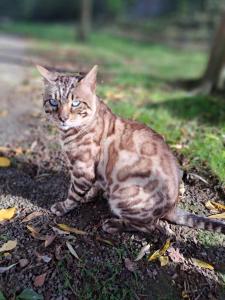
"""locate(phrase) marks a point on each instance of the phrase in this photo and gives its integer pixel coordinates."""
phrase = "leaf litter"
(7, 214)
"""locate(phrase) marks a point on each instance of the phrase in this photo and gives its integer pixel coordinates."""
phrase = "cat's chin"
(65, 127)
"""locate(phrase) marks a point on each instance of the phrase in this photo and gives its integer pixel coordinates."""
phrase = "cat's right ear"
(48, 75)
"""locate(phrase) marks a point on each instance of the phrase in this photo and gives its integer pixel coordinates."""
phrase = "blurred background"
(160, 62)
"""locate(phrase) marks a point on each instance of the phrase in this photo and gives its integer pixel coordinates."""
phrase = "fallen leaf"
(164, 260)
(40, 280)
(71, 229)
(32, 216)
(4, 269)
(201, 264)
(218, 216)
(211, 207)
(7, 214)
(130, 265)
(215, 205)
(160, 252)
(72, 251)
(18, 150)
(29, 294)
(98, 238)
(8, 246)
(49, 239)
(143, 251)
(4, 162)
(35, 233)
(23, 262)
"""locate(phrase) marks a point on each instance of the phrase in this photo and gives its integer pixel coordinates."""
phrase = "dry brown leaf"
(4, 162)
(49, 239)
(130, 265)
(72, 251)
(4, 269)
(202, 264)
(8, 246)
(7, 214)
(40, 280)
(23, 262)
(35, 233)
(32, 216)
(143, 251)
(71, 229)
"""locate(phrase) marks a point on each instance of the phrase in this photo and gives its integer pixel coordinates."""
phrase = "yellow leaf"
(163, 260)
(7, 214)
(165, 247)
(10, 245)
(154, 256)
(218, 216)
(209, 205)
(160, 252)
(218, 206)
(4, 162)
(71, 229)
(201, 264)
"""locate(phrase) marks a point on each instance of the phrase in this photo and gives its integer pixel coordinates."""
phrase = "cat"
(127, 160)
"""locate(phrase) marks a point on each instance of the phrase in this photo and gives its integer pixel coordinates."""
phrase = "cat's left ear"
(91, 78)
(48, 75)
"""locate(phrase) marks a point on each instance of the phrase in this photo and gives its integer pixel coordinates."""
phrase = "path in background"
(14, 107)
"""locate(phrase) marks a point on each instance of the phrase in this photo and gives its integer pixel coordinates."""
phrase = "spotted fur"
(126, 160)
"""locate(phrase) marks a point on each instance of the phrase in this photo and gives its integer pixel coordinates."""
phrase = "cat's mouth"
(65, 126)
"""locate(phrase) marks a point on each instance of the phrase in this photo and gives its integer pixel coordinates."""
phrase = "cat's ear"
(48, 75)
(90, 78)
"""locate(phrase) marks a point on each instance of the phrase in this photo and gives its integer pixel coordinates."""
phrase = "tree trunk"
(85, 19)
(214, 75)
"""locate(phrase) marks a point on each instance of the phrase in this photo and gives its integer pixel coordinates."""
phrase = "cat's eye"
(53, 102)
(75, 103)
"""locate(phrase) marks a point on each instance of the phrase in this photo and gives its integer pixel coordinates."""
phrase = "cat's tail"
(182, 217)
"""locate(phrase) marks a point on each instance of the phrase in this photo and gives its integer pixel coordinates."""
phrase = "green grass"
(134, 81)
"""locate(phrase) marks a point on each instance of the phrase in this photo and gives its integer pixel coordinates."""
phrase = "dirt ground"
(106, 268)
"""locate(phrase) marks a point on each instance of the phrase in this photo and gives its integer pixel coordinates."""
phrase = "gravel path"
(14, 74)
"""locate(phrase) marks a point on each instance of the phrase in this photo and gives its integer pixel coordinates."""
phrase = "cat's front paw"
(58, 209)
(111, 226)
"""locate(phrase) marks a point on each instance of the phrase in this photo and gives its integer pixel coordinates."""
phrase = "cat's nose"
(63, 118)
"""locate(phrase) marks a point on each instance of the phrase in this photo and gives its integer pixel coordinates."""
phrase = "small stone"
(23, 262)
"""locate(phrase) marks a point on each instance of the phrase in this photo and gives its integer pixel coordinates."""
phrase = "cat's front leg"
(77, 194)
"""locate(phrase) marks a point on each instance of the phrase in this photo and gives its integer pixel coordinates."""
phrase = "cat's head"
(69, 101)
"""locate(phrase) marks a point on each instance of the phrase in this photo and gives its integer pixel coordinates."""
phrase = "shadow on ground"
(101, 270)
(206, 110)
